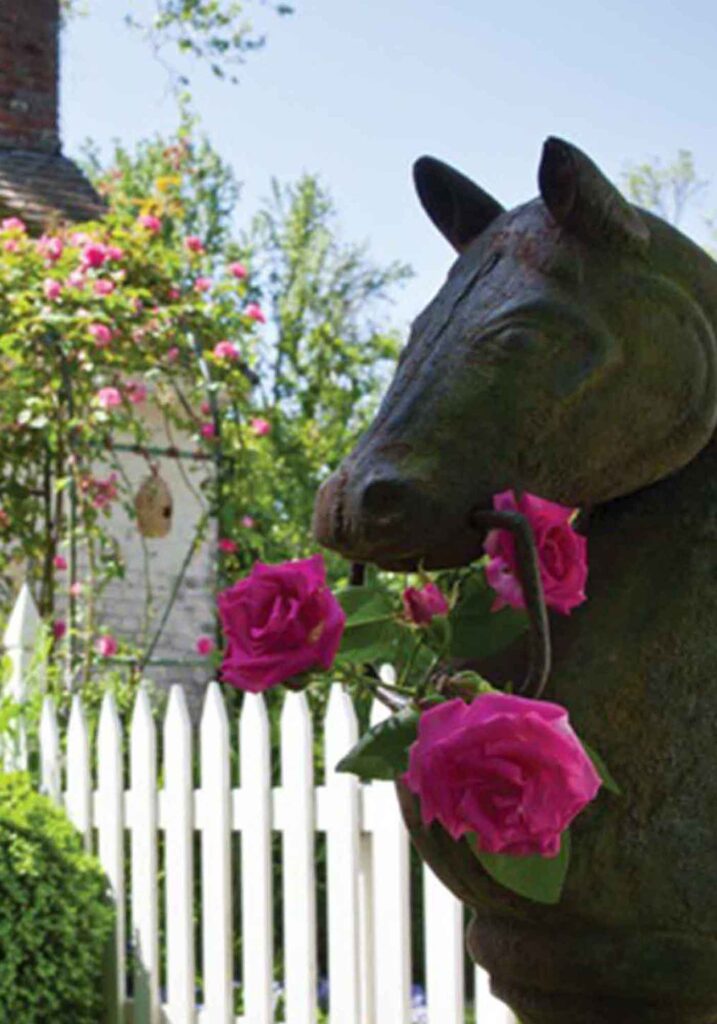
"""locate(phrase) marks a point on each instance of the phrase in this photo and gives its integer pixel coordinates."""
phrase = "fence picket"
(143, 820)
(489, 1010)
(110, 838)
(78, 799)
(297, 780)
(178, 848)
(443, 928)
(217, 954)
(392, 933)
(19, 640)
(50, 755)
(342, 861)
(257, 920)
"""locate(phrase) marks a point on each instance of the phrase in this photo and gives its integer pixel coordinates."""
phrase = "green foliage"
(55, 915)
(382, 752)
(664, 189)
(537, 878)
(216, 33)
(476, 632)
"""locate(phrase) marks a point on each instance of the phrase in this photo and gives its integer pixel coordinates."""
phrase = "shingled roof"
(37, 183)
(44, 188)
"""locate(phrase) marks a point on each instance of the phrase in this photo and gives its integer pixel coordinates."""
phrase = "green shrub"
(55, 914)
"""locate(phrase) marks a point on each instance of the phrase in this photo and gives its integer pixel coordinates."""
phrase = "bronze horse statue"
(572, 353)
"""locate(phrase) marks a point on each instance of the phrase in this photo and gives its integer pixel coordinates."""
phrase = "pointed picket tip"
(253, 713)
(214, 711)
(340, 720)
(177, 710)
(78, 720)
(109, 716)
(48, 717)
(142, 719)
(379, 711)
(295, 712)
(24, 622)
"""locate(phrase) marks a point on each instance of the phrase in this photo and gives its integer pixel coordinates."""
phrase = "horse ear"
(584, 202)
(459, 209)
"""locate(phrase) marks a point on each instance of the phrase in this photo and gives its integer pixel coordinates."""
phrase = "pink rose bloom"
(59, 628)
(113, 252)
(227, 545)
(80, 238)
(280, 621)
(193, 243)
(204, 645)
(203, 284)
(420, 605)
(509, 769)
(248, 523)
(60, 562)
(108, 398)
(51, 247)
(207, 430)
(259, 426)
(237, 270)
(172, 354)
(107, 645)
(226, 350)
(562, 555)
(103, 286)
(76, 589)
(76, 279)
(102, 491)
(135, 391)
(51, 288)
(205, 408)
(93, 254)
(255, 312)
(149, 222)
(13, 224)
(173, 294)
(101, 334)
(11, 245)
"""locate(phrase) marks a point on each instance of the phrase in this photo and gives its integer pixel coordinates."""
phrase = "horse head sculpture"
(572, 353)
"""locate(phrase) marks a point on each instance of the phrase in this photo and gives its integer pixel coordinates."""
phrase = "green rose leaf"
(537, 878)
(372, 631)
(602, 769)
(382, 752)
(476, 631)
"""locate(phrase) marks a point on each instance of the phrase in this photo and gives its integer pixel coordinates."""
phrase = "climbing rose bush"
(506, 772)
(507, 769)
(561, 551)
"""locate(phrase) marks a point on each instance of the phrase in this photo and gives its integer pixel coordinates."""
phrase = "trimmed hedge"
(56, 917)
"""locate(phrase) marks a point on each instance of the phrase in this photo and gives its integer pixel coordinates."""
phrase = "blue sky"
(357, 90)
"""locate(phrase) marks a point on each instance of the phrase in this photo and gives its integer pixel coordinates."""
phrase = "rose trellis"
(504, 770)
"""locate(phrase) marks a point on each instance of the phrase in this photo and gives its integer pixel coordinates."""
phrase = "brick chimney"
(37, 182)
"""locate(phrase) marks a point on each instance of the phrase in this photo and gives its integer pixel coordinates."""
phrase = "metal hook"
(540, 656)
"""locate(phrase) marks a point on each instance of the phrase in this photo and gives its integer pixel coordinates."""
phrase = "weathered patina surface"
(572, 353)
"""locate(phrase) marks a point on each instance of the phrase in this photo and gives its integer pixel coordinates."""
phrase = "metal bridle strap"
(529, 574)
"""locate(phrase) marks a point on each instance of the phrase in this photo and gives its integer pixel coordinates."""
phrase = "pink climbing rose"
(51, 288)
(107, 645)
(135, 391)
(108, 398)
(149, 222)
(279, 622)
(420, 605)
(259, 426)
(203, 284)
(207, 430)
(101, 333)
(227, 545)
(13, 224)
(255, 312)
(93, 254)
(248, 522)
(508, 769)
(562, 554)
(193, 243)
(103, 286)
(59, 562)
(59, 628)
(237, 270)
(204, 645)
(226, 350)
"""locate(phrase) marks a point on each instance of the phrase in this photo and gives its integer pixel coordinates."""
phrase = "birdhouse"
(153, 504)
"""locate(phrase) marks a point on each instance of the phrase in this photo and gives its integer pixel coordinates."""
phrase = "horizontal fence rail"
(193, 833)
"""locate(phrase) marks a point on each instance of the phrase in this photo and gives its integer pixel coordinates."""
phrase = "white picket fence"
(367, 867)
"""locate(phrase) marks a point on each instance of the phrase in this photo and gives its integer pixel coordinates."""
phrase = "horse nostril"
(384, 499)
